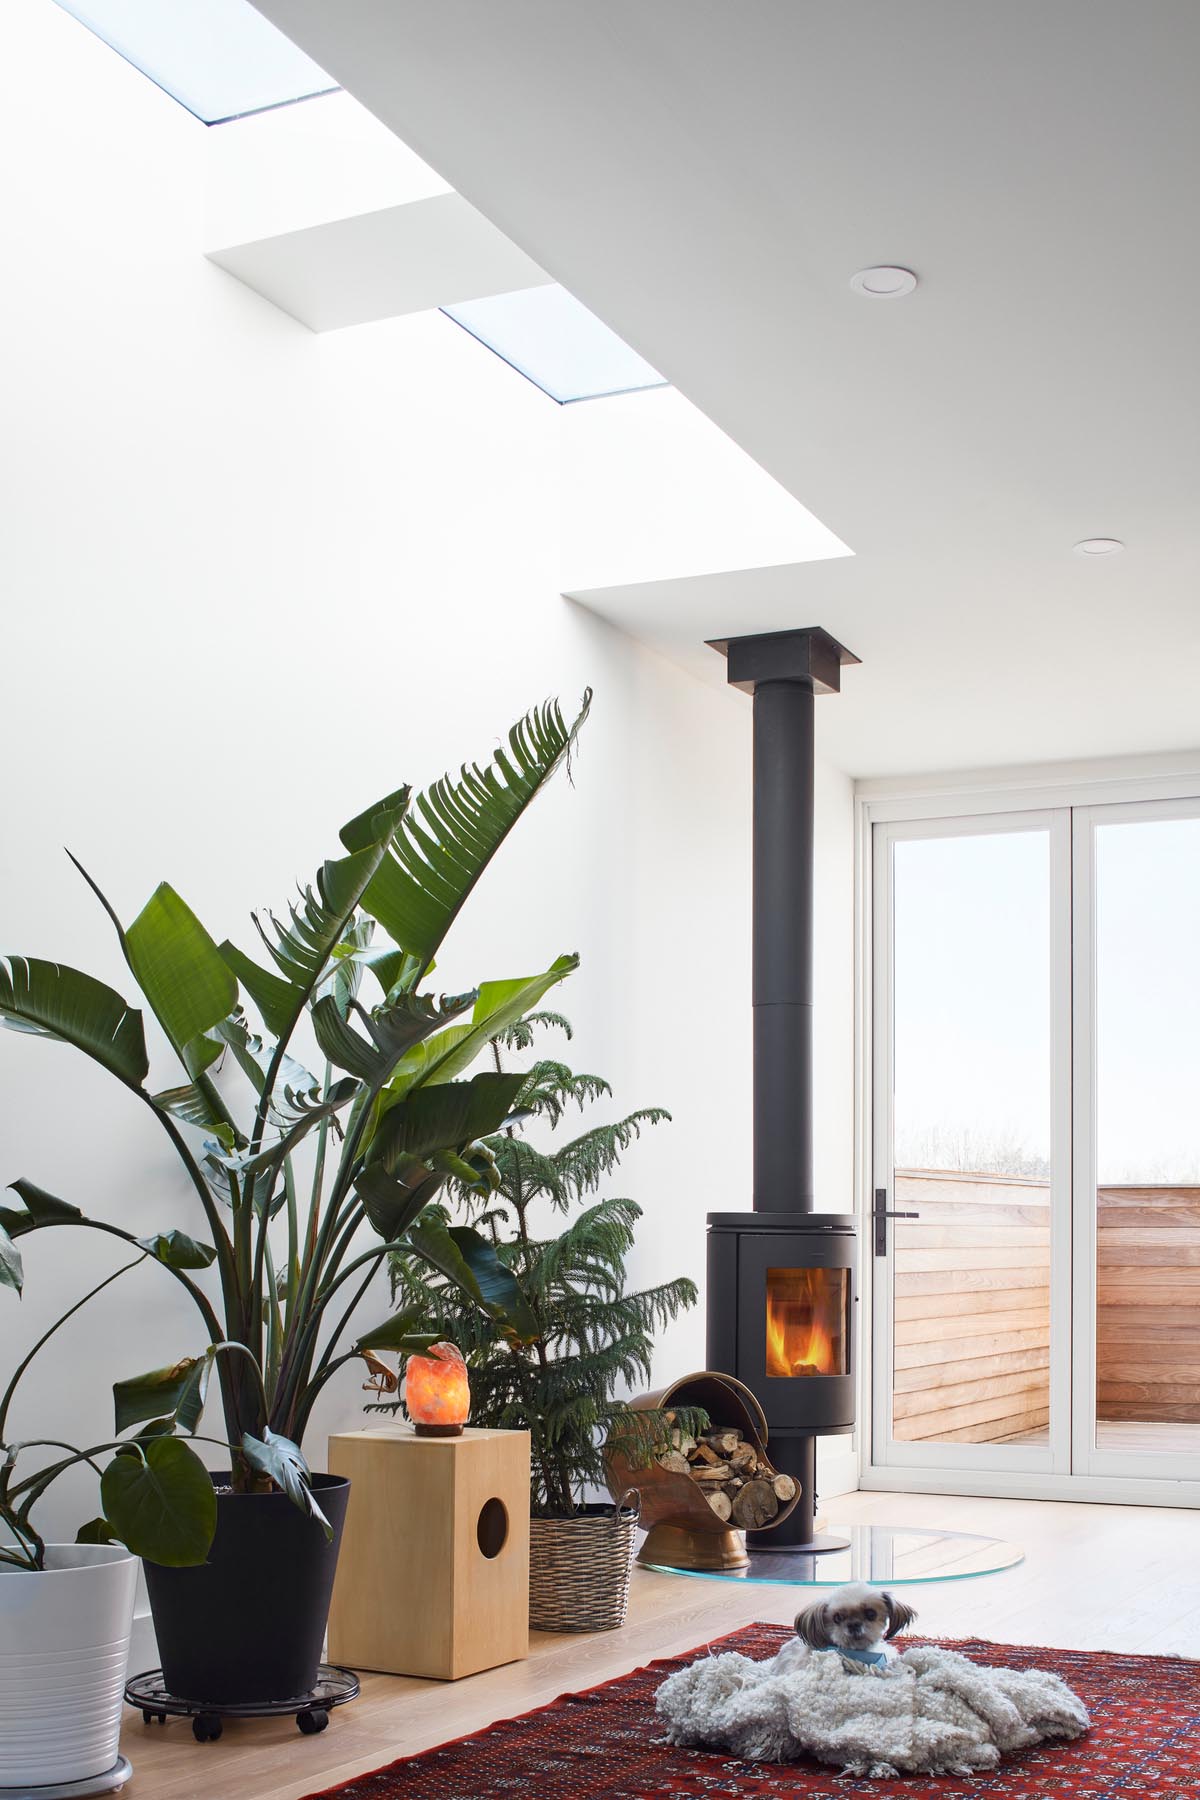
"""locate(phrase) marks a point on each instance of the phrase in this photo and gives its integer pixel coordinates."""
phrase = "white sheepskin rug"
(931, 1712)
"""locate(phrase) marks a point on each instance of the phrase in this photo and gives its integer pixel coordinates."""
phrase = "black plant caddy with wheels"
(244, 1631)
(334, 1686)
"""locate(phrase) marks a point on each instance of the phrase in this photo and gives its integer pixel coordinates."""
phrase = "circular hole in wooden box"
(492, 1529)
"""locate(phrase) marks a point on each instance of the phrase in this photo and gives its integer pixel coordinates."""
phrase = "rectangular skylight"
(219, 58)
(547, 336)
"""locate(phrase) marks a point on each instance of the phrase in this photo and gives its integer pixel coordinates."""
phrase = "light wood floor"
(1095, 1577)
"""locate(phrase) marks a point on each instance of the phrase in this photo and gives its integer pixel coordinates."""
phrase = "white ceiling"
(707, 177)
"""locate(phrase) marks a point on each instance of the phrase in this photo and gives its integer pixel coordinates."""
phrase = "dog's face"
(852, 1618)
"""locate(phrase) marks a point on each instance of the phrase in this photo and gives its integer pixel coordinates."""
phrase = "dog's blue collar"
(874, 1658)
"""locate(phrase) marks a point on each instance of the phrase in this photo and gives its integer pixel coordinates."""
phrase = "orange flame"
(799, 1342)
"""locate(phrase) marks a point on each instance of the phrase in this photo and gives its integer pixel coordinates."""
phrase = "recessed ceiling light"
(884, 282)
(1099, 547)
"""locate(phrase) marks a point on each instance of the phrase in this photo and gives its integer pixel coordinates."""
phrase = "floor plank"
(1095, 1577)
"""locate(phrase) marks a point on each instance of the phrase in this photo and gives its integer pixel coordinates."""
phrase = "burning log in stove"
(806, 1314)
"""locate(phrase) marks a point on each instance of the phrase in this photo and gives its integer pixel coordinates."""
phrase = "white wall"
(253, 578)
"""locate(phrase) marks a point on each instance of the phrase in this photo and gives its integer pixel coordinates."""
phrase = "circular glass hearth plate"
(884, 1555)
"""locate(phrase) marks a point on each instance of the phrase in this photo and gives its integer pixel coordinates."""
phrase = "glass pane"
(808, 1322)
(971, 1148)
(556, 343)
(219, 58)
(1148, 1136)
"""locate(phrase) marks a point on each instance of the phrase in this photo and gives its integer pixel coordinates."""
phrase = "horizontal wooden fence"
(1148, 1304)
(972, 1306)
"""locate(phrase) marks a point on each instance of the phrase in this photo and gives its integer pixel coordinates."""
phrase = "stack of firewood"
(738, 1482)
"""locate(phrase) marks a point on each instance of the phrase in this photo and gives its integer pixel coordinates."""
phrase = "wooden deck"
(972, 1312)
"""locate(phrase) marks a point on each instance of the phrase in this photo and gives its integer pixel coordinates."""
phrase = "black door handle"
(881, 1216)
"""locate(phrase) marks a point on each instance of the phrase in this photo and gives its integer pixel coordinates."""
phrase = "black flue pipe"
(784, 671)
(783, 946)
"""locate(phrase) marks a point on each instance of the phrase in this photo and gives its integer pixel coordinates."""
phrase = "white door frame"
(1160, 781)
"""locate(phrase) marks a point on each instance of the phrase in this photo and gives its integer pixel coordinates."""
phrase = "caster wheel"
(162, 1718)
(147, 1717)
(206, 1728)
(312, 1720)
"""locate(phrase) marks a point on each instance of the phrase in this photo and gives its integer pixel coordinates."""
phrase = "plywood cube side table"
(433, 1577)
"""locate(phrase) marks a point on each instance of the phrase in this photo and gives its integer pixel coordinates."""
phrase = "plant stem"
(10, 1390)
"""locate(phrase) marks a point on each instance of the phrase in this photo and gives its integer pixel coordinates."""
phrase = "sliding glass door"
(1137, 981)
(1036, 1130)
(971, 1238)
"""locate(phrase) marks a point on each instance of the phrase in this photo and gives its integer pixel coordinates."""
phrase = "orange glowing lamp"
(437, 1393)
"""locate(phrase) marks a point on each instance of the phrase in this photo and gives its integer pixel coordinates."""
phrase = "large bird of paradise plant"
(311, 1182)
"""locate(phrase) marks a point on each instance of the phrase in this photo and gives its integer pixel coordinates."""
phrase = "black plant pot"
(247, 1626)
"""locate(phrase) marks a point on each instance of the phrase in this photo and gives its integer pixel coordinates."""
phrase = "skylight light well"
(547, 336)
(219, 58)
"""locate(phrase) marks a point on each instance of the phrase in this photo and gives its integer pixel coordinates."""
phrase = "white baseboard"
(1101, 1490)
(837, 1468)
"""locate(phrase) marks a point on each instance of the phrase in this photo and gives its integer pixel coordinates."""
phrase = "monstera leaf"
(159, 1499)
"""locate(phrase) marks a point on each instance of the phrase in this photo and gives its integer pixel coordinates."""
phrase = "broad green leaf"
(446, 1117)
(189, 1408)
(274, 997)
(11, 1272)
(160, 1500)
(294, 1089)
(392, 1201)
(51, 1000)
(282, 1460)
(155, 1428)
(302, 945)
(399, 1333)
(474, 1168)
(41, 1209)
(444, 842)
(424, 1062)
(191, 1104)
(394, 970)
(96, 1531)
(391, 1031)
(269, 1158)
(178, 1250)
(182, 974)
(377, 822)
(499, 1005)
(151, 1395)
(343, 977)
(468, 1260)
(344, 1047)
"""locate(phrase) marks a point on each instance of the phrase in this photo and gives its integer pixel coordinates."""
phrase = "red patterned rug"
(599, 1745)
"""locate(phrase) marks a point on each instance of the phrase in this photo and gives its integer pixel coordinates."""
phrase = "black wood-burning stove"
(781, 1292)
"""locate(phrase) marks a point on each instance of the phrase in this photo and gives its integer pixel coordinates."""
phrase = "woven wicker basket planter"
(579, 1569)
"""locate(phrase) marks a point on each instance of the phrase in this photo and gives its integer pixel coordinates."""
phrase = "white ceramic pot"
(64, 1646)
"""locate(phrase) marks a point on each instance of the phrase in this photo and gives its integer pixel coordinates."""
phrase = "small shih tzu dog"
(857, 1622)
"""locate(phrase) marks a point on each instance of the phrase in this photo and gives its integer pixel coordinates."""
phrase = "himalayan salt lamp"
(437, 1394)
